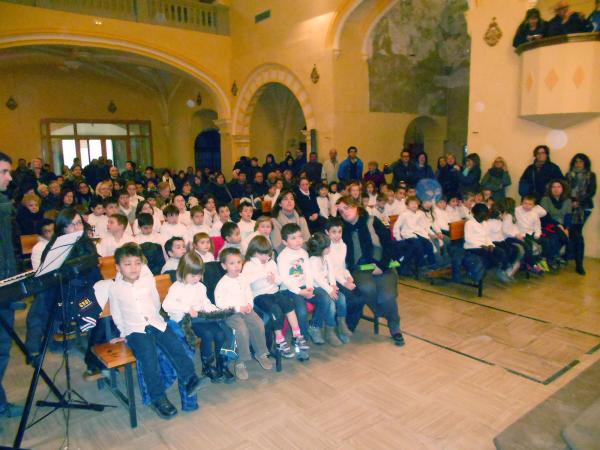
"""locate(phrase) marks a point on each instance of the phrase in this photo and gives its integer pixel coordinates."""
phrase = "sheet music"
(57, 255)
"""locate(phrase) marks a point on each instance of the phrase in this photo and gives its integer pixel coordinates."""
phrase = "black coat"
(27, 222)
(535, 180)
(525, 31)
(401, 172)
(307, 204)
(366, 243)
(575, 24)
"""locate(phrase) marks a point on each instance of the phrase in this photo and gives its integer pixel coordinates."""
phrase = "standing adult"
(402, 170)
(329, 174)
(536, 176)
(285, 212)
(41, 175)
(313, 168)
(566, 21)
(369, 243)
(470, 175)
(447, 175)
(8, 268)
(583, 188)
(351, 169)
(270, 165)
(422, 167)
(531, 29)
(497, 179)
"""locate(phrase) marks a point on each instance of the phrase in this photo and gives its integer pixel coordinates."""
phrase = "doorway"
(207, 150)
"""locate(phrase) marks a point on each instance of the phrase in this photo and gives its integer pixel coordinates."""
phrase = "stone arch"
(433, 134)
(250, 93)
(371, 22)
(178, 62)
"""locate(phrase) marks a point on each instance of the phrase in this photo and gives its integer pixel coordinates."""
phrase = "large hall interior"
(312, 224)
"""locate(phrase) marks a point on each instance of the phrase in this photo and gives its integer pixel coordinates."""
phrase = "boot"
(331, 338)
(579, 253)
(343, 331)
(223, 370)
(209, 370)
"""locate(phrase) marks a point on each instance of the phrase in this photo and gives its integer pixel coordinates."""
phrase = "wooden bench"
(119, 355)
(28, 241)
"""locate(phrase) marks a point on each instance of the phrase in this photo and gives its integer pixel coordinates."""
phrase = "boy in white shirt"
(210, 210)
(134, 198)
(172, 227)
(233, 291)
(478, 242)
(442, 216)
(379, 210)
(324, 201)
(246, 224)
(125, 208)
(230, 232)
(528, 217)
(147, 233)
(135, 310)
(175, 248)
(334, 196)
(454, 210)
(97, 219)
(197, 225)
(394, 207)
(46, 230)
(297, 278)
(224, 215)
(115, 236)
(412, 226)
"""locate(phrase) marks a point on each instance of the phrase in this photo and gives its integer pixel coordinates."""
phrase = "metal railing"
(188, 14)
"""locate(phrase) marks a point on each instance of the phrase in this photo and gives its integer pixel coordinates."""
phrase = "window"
(119, 141)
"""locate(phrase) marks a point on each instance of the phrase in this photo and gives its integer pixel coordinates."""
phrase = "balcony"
(187, 14)
(560, 79)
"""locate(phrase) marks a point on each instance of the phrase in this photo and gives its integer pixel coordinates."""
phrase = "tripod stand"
(70, 398)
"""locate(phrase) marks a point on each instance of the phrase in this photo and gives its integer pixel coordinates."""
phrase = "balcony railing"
(188, 14)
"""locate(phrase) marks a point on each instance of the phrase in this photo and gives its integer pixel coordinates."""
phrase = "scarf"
(496, 172)
(557, 202)
(579, 180)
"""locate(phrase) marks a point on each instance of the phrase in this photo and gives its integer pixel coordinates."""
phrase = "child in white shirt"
(210, 210)
(125, 208)
(394, 207)
(413, 225)
(262, 227)
(115, 236)
(147, 233)
(324, 277)
(334, 196)
(224, 215)
(528, 217)
(454, 210)
(246, 224)
(197, 225)
(184, 215)
(144, 207)
(175, 248)
(230, 232)
(442, 216)
(271, 195)
(371, 191)
(323, 201)
(46, 230)
(261, 273)
(135, 310)
(172, 227)
(203, 246)
(379, 210)
(233, 291)
(187, 296)
(297, 278)
(514, 252)
(98, 220)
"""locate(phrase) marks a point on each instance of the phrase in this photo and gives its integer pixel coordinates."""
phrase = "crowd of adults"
(565, 21)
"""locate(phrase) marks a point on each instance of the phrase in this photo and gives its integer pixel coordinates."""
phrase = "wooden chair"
(266, 206)
(28, 241)
(108, 267)
(163, 283)
(457, 230)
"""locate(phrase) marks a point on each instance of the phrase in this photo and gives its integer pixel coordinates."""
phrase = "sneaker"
(398, 339)
(264, 362)
(301, 343)
(544, 265)
(502, 277)
(11, 410)
(241, 372)
(285, 350)
(316, 335)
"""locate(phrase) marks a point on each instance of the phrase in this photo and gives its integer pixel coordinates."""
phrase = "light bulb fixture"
(11, 103)
(190, 103)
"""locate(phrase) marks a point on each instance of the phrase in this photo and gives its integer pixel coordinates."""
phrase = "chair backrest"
(266, 206)
(213, 272)
(27, 243)
(163, 283)
(106, 311)
(218, 243)
(457, 230)
(108, 267)
(154, 256)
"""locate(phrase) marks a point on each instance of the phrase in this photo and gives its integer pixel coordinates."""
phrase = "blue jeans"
(144, 347)
(323, 304)
(5, 344)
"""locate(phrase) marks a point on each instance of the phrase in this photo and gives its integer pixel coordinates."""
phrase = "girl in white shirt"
(262, 227)
(413, 225)
(318, 248)
(260, 271)
(514, 253)
(202, 244)
(323, 201)
(187, 298)
(513, 235)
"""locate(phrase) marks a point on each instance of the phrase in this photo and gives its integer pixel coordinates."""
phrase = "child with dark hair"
(223, 216)
(323, 200)
(45, 232)
(125, 207)
(478, 242)
(148, 232)
(135, 308)
(197, 225)
(514, 252)
(233, 291)
(261, 273)
(97, 220)
(172, 227)
(115, 236)
(230, 232)
(175, 249)
(246, 224)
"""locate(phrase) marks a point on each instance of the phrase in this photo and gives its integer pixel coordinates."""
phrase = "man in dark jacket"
(8, 268)
(313, 168)
(402, 170)
(566, 21)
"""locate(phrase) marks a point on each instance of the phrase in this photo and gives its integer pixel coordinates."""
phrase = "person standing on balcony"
(531, 29)
(566, 21)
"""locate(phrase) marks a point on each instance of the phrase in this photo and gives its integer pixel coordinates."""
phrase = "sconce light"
(234, 89)
(199, 99)
(11, 103)
(112, 108)
(314, 75)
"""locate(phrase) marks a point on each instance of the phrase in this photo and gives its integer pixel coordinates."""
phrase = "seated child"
(172, 227)
(323, 200)
(203, 246)
(512, 234)
(246, 224)
(147, 231)
(224, 215)
(115, 236)
(230, 232)
(144, 207)
(494, 227)
(97, 220)
(45, 232)
(124, 207)
(262, 227)
(335, 320)
(412, 225)
(467, 204)
(197, 225)
(134, 198)
(271, 195)
(528, 216)
(135, 309)
(261, 273)
(379, 210)
(334, 196)
(442, 216)
(233, 291)
(210, 210)
(478, 242)
(371, 191)
(394, 206)
(175, 248)
(337, 264)
(454, 209)
(187, 295)
(297, 278)
(184, 214)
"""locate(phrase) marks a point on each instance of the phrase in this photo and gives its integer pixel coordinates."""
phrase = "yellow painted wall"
(494, 125)
(47, 92)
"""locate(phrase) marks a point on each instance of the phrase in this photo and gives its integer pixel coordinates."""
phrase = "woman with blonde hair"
(497, 179)
(104, 189)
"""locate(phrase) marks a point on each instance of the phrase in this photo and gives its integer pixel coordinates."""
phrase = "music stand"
(54, 263)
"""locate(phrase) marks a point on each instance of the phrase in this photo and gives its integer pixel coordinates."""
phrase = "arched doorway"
(425, 134)
(207, 150)
(277, 123)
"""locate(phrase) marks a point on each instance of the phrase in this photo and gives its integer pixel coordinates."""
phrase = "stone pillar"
(227, 152)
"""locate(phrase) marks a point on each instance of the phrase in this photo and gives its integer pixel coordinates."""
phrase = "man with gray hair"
(330, 167)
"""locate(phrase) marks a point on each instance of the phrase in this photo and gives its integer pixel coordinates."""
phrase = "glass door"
(116, 150)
